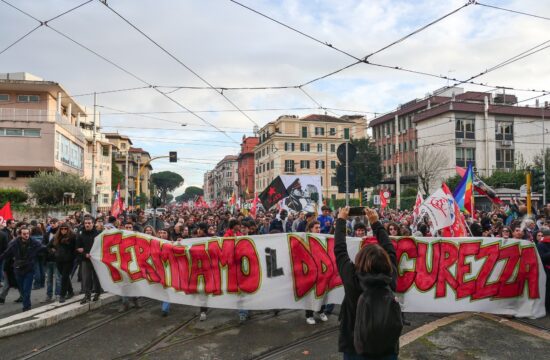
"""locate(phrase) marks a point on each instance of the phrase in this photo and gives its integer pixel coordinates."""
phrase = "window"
(304, 147)
(332, 131)
(267, 166)
(319, 147)
(346, 133)
(465, 156)
(123, 145)
(320, 164)
(333, 181)
(289, 165)
(263, 152)
(28, 98)
(68, 152)
(332, 148)
(505, 158)
(4, 97)
(465, 126)
(320, 131)
(504, 128)
(105, 150)
(304, 131)
(304, 164)
(20, 132)
(272, 164)
(105, 199)
(263, 167)
(333, 164)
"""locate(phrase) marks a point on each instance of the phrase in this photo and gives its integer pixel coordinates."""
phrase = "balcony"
(13, 114)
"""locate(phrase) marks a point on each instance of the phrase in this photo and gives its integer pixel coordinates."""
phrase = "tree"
(165, 182)
(431, 164)
(169, 197)
(367, 164)
(190, 193)
(117, 177)
(48, 188)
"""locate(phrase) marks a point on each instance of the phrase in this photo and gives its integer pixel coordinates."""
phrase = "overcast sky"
(230, 46)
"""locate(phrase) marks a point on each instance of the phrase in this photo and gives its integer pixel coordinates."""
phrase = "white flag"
(439, 208)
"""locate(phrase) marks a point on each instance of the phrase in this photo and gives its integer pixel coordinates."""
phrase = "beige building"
(39, 129)
(292, 145)
(102, 163)
(132, 158)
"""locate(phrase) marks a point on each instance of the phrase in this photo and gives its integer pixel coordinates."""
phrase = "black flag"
(275, 192)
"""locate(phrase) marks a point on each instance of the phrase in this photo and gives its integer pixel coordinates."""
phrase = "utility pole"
(94, 145)
(528, 186)
(347, 174)
(126, 181)
(397, 168)
(543, 157)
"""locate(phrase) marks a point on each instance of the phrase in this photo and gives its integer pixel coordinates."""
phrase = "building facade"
(491, 131)
(292, 145)
(129, 161)
(39, 130)
(208, 186)
(223, 180)
(246, 167)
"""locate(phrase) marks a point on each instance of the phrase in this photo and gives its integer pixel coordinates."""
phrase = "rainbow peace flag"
(464, 192)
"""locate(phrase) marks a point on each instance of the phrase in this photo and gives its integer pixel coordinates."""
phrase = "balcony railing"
(13, 114)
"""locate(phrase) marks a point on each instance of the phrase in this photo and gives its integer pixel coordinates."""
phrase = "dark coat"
(85, 240)
(353, 281)
(23, 262)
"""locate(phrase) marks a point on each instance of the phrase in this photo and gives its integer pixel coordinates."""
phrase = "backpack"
(378, 322)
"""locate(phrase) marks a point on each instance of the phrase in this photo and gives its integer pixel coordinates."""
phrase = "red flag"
(254, 207)
(383, 201)
(118, 204)
(416, 210)
(458, 228)
(5, 213)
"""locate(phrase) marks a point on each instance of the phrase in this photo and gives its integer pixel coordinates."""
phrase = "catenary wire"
(163, 49)
(512, 11)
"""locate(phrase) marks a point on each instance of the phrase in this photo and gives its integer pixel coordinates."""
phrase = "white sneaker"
(311, 321)
(203, 316)
(323, 317)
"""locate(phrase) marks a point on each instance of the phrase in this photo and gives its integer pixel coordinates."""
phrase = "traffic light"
(341, 179)
(173, 156)
(537, 180)
(365, 197)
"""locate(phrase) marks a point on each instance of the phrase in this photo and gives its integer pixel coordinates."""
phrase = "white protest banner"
(298, 271)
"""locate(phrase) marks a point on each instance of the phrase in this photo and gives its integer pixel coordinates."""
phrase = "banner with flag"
(254, 207)
(383, 200)
(481, 187)
(459, 227)
(5, 213)
(118, 204)
(200, 203)
(275, 192)
(464, 192)
(440, 209)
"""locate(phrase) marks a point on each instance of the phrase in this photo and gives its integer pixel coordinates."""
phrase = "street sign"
(523, 190)
(376, 199)
(341, 152)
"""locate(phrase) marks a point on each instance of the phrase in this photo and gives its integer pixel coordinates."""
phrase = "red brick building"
(246, 167)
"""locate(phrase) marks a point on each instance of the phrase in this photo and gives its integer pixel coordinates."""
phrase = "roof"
(22, 83)
(346, 119)
(117, 136)
(410, 107)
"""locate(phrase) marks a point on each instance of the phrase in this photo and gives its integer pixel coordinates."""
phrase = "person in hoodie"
(84, 243)
(371, 267)
(63, 249)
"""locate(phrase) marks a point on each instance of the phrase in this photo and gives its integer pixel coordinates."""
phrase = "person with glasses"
(393, 229)
(505, 232)
(63, 247)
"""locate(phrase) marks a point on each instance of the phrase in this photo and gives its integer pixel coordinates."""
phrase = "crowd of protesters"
(47, 254)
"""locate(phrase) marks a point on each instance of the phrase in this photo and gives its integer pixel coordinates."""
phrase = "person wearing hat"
(544, 252)
(326, 220)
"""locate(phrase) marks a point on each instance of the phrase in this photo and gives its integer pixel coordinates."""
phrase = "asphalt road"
(144, 334)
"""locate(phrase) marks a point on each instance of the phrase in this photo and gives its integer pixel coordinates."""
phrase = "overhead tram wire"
(163, 49)
(20, 39)
(512, 11)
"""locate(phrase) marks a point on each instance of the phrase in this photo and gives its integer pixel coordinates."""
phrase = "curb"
(50, 314)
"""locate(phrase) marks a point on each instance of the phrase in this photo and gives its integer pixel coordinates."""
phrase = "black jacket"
(23, 260)
(3, 241)
(353, 281)
(85, 240)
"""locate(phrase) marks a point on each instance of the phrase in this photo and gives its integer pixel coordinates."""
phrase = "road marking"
(413, 335)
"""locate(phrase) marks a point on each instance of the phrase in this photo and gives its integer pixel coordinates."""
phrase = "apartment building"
(222, 182)
(128, 157)
(304, 145)
(102, 163)
(492, 131)
(246, 167)
(39, 129)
